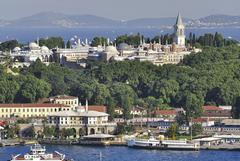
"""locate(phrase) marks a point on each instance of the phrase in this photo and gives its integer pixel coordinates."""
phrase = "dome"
(44, 48)
(16, 49)
(33, 46)
(123, 46)
(111, 49)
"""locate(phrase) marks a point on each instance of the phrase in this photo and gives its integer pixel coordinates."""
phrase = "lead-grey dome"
(123, 46)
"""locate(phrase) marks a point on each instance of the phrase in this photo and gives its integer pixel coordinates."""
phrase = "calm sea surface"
(27, 35)
(82, 153)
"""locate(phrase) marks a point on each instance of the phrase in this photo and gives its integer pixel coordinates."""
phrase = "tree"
(166, 90)
(173, 131)
(192, 104)
(52, 42)
(30, 132)
(236, 108)
(68, 45)
(33, 89)
(196, 129)
(100, 94)
(49, 131)
(111, 104)
(67, 132)
(124, 96)
(7, 61)
(124, 128)
(152, 104)
(99, 41)
(8, 45)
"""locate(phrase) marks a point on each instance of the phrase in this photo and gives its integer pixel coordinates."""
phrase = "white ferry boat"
(152, 143)
(38, 153)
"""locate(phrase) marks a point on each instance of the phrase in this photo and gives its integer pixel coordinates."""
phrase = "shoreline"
(227, 147)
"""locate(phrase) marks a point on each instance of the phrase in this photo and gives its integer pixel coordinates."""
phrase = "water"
(27, 35)
(85, 153)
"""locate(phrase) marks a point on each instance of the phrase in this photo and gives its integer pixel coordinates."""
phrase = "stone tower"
(179, 29)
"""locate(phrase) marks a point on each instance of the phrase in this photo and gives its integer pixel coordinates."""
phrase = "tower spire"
(179, 29)
(179, 19)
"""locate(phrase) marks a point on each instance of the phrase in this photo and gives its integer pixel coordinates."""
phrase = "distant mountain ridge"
(60, 20)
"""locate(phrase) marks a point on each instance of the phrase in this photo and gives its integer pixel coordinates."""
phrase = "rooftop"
(97, 108)
(32, 105)
(200, 120)
(63, 97)
(212, 108)
(166, 112)
(80, 113)
(231, 122)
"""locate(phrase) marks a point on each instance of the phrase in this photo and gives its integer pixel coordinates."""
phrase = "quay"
(224, 146)
(15, 142)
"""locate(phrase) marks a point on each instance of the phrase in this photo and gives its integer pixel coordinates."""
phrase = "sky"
(120, 9)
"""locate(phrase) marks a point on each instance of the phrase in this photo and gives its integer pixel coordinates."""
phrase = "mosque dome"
(16, 49)
(111, 49)
(33, 46)
(45, 49)
(123, 46)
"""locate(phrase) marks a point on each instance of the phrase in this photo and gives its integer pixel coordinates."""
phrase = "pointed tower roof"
(179, 20)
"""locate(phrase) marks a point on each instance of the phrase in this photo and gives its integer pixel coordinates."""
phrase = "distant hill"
(59, 20)
(153, 22)
(219, 21)
(4, 23)
(51, 19)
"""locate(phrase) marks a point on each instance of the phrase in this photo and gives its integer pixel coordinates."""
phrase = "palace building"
(31, 110)
(82, 121)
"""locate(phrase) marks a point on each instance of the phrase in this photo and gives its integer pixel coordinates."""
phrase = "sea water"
(112, 153)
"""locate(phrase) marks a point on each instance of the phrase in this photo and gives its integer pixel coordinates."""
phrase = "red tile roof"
(200, 120)
(166, 112)
(97, 108)
(212, 108)
(32, 105)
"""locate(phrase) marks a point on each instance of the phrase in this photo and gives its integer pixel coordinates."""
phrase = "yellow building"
(31, 110)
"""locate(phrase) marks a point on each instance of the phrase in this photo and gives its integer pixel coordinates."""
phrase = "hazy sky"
(120, 9)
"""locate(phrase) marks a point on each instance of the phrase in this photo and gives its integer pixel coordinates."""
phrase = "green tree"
(33, 89)
(9, 45)
(100, 94)
(49, 131)
(52, 42)
(166, 90)
(173, 131)
(192, 104)
(99, 41)
(68, 45)
(111, 104)
(196, 129)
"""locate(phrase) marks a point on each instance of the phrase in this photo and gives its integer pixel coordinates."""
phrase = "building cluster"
(158, 53)
(213, 120)
(61, 112)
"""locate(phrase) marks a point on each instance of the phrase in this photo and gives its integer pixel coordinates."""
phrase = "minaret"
(179, 29)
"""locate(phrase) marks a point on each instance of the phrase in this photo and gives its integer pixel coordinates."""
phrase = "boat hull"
(164, 148)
